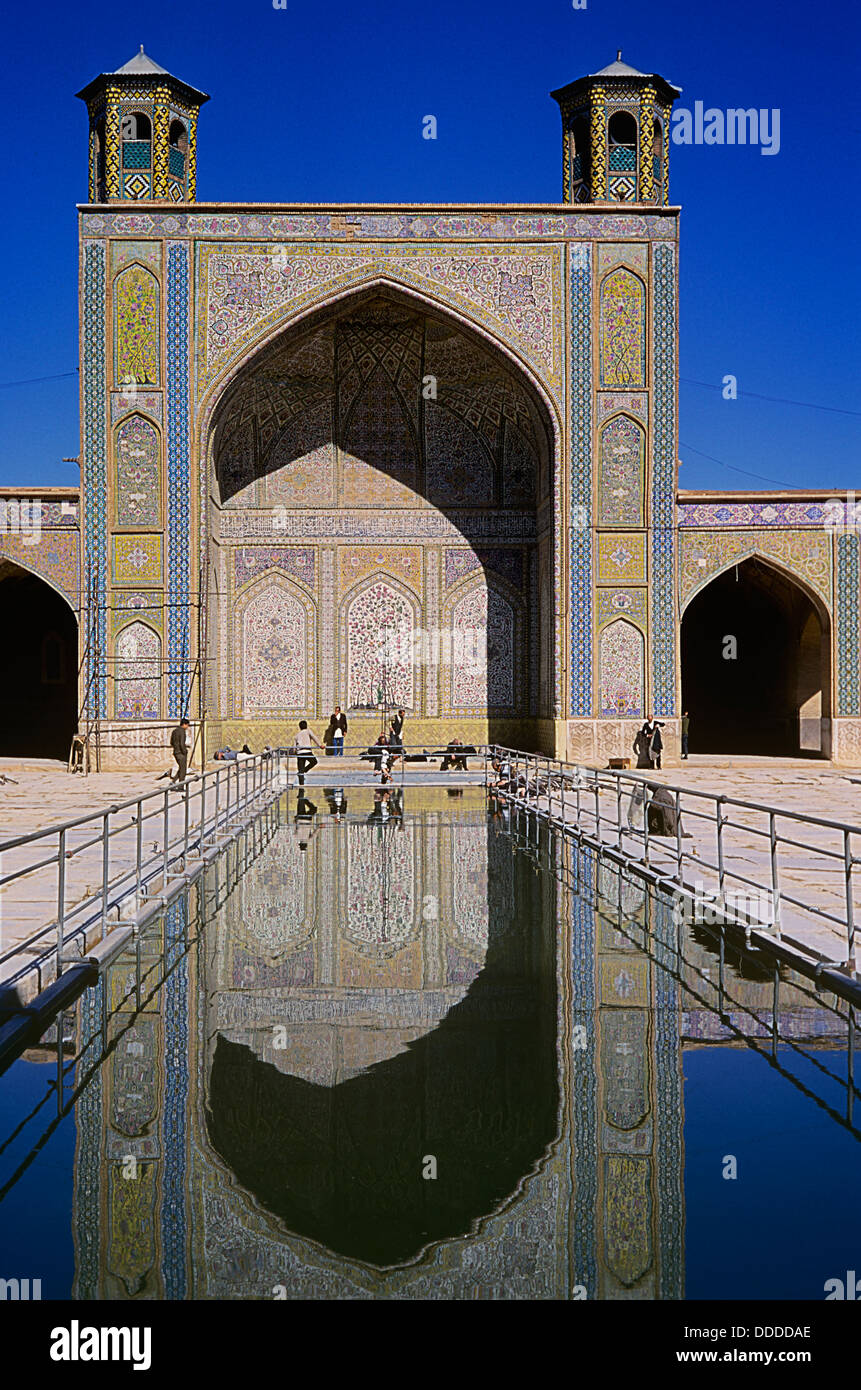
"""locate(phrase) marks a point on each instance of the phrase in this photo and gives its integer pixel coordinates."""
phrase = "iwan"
(78, 1343)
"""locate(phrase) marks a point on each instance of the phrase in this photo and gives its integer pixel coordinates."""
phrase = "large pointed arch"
(332, 415)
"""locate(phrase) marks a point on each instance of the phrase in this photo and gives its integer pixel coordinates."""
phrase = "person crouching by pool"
(305, 759)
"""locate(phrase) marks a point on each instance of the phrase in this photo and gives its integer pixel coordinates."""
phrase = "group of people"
(387, 749)
(649, 744)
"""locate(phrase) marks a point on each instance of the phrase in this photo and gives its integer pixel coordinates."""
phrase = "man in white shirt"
(305, 759)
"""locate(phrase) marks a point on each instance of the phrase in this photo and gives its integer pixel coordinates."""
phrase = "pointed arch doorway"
(395, 470)
(756, 665)
(38, 695)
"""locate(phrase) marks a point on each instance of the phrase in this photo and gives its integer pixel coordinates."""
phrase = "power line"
(777, 400)
(746, 471)
(32, 380)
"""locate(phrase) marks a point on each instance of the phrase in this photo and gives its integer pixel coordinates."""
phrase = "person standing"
(338, 725)
(305, 759)
(180, 743)
(397, 727)
(656, 744)
(686, 724)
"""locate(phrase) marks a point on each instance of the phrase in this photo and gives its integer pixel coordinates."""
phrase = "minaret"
(143, 134)
(616, 136)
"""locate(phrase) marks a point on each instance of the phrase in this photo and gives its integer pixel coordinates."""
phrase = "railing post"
(850, 907)
(618, 812)
(61, 901)
(106, 853)
(679, 835)
(185, 828)
(166, 835)
(775, 873)
(139, 857)
(597, 810)
(719, 805)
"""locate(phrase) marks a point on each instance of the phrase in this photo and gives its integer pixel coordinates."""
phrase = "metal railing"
(761, 1024)
(613, 811)
(132, 845)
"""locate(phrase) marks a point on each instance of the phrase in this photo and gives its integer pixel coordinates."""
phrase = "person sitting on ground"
(377, 752)
(454, 759)
(662, 811)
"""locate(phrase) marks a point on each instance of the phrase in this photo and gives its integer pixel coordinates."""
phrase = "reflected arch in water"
(336, 1153)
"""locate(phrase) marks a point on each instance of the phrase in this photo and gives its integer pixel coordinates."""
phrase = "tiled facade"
(334, 444)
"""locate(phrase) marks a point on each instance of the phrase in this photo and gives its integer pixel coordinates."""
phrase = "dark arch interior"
(622, 129)
(343, 1165)
(771, 697)
(38, 698)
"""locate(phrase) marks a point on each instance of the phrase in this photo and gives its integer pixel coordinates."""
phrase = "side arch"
(756, 662)
(780, 565)
(39, 697)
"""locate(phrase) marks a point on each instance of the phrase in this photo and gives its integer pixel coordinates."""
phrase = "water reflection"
(353, 989)
(400, 1008)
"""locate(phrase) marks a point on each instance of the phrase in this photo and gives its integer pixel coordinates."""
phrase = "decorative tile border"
(663, 625)
(848, 693)
(832, 513)
(488, 224)
(93, 465)
(581, 481)
(178, 493)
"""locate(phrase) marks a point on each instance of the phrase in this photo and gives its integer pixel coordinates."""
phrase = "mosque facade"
(415, 455)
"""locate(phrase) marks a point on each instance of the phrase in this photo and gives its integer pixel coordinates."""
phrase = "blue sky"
(325, 102)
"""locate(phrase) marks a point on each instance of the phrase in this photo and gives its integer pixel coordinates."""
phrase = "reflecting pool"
(401, 1047)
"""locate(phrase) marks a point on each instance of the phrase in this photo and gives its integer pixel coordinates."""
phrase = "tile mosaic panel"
(137, 560)
(137, 672)
(136, 327)
(622, 557)
(137, 473)
(621, 473)
(702, 555)
(246, 290)
(622, 330)
(621, 603)
(299, 562)
(621, 665)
